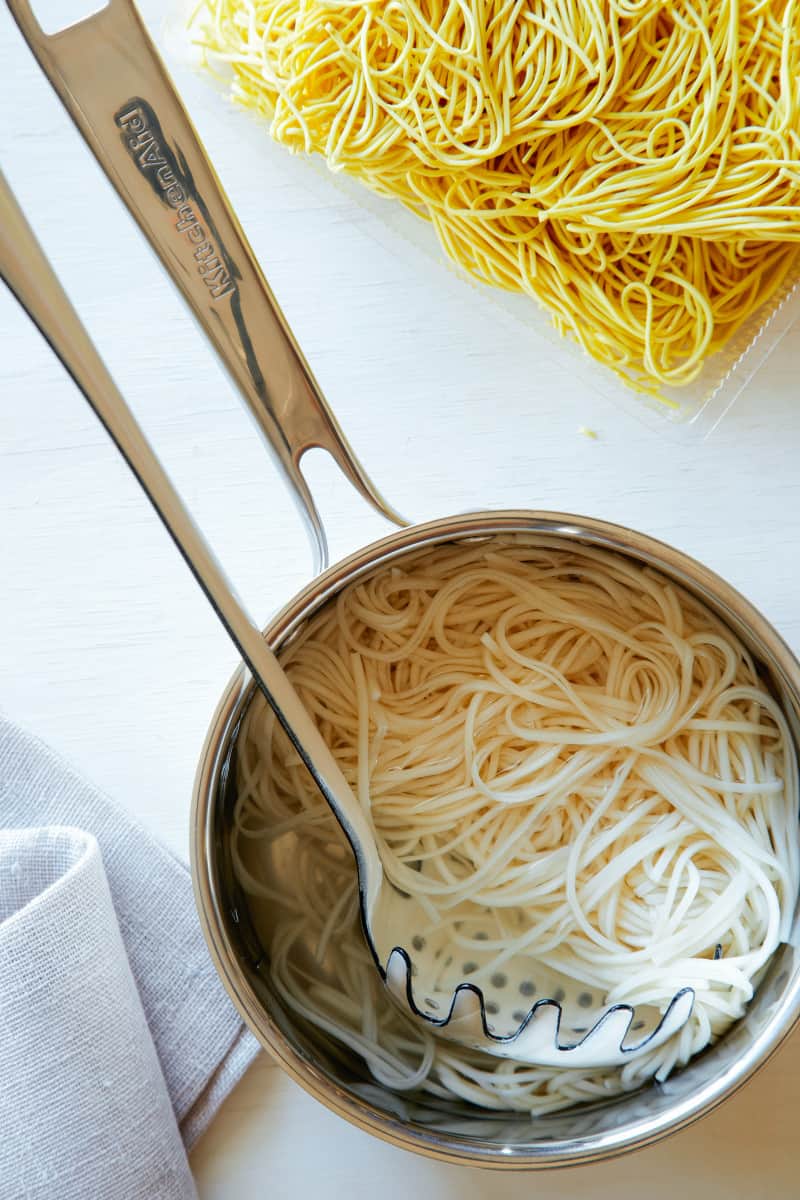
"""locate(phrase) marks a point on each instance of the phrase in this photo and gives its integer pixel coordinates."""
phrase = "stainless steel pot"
(462, 1133)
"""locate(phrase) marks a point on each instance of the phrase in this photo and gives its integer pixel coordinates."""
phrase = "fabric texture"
(117, 1041)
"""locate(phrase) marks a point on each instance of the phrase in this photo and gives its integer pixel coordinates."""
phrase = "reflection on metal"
(127, 109)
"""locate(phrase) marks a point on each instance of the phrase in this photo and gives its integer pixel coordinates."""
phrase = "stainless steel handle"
(115, 87)
(29, 276)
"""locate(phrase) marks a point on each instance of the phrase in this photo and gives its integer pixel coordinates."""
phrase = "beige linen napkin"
(117, 1041)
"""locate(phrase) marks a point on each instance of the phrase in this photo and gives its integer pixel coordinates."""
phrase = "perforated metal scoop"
(521, 1009)
(446, 975)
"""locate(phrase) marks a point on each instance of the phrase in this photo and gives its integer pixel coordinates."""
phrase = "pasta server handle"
(115, 86)
(423, 968)
(30, 278)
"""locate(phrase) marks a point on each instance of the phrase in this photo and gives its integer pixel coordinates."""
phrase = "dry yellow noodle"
(652, 306)
(633, 165)
(703, 135)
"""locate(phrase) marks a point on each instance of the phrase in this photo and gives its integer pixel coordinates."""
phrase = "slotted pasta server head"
(461, 978)
(454, 976)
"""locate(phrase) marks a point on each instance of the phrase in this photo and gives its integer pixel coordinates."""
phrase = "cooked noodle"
(559, 733)
(634, 165)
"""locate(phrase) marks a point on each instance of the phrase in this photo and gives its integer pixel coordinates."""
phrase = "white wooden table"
(108, 651)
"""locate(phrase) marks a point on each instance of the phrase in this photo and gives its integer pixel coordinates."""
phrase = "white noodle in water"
(556, 731)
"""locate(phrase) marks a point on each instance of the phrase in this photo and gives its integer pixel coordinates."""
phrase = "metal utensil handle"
(113, 83)
(29, 276)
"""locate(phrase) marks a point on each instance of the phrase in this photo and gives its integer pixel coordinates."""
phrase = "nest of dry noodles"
(634, 165)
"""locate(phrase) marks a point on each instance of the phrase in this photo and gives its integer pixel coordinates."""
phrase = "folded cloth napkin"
(117, 1041)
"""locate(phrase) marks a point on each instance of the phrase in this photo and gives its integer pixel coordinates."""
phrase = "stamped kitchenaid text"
(144, 141)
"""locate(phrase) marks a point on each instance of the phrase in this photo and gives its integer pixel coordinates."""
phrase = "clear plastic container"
(692, 411)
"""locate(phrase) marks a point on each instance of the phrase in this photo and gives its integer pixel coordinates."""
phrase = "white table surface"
(108, 651)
